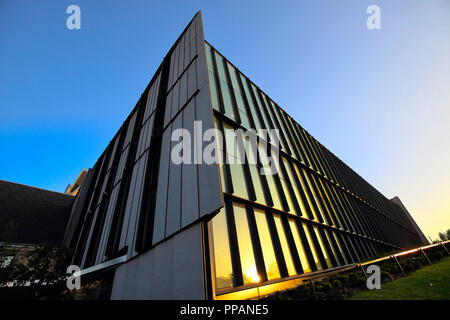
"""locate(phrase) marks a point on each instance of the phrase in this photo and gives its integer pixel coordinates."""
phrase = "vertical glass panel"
(222, 253)
(340, 248)
(304, 187)
(285, 246)
(270, 261)
(261, 108)
(219, 149)
(254, 172)
(311, 245)
(269, 177)
(226, 95)
(236, 160)
(249, 272)
(214, 92)
(283, 128)
(328, 233)
(310, 184)
(299, 245)
(238, 95)
(274, 120)
(284, 186)
(322, 247)
(350, 240)
(294, 186)
(209, 57)
(242, 110)
(256, 179)
(252, 106)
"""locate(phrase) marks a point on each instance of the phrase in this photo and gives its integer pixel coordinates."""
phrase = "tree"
(31, 267)
(445, 235)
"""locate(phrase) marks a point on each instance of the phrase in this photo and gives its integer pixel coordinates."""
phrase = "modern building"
(73, 189)
(162, 229)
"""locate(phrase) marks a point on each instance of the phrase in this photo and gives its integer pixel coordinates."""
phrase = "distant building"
(36, 215)
(166, 230)
(73, 189)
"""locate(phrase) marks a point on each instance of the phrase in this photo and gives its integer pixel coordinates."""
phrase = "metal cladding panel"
(151, 99)
(114, 150)
(121, 167)
(129, 131)
(209, 190)
(189, 185)
(144, 137)
(161, 195)
(173, 216)
(187, 191)
(171, 270)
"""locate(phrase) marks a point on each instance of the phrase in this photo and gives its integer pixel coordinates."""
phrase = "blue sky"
(379, 99)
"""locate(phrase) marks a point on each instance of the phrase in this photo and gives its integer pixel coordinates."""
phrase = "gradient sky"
(379, 99)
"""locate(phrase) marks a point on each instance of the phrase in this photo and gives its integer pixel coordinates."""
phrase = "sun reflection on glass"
(251, 273)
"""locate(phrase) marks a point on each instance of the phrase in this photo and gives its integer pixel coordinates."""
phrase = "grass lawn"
(428, 283)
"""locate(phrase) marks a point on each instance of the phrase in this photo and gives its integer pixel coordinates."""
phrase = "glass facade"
(314, 213)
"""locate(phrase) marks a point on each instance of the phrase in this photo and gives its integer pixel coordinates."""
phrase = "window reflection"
(269, 177)
(284, 186)
(300, 249)
(226, 95)
(252, 106)
(219, 149)
(341, 249)
(322, 247)
(285, 246)
(222, 254)
(236, 160)
(270, 261)
(249, 273)
(329, 234)
(311, 245)
(305, 187)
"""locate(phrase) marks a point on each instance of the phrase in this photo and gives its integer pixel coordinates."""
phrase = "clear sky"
(379, 99)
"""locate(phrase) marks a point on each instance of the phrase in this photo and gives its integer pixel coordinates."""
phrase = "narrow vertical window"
(285, 246)
(236, 160)
(226, 94)
(222, 255)
(322, 246)
(247, 258)
(300, 249)
(311, 245)
(270, 261)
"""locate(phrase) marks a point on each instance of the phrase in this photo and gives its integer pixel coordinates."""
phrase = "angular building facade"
(227, 229)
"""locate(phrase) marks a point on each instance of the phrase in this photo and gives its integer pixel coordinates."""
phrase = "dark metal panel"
(175, 99)
(137, 196)
(161, 196)
(129, 131)
(173, 220)
(114, 150)
(210, 197)
(191, 80)
(189, 182)
(168, 108)
(181, 55)
(107, 224)
(121, 166)
(183, 90)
